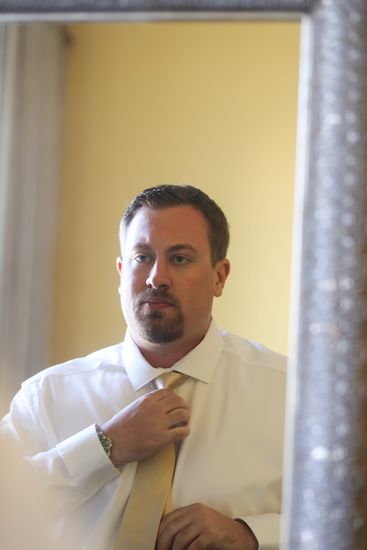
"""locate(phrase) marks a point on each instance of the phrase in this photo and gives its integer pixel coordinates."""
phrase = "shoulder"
(252, 353)
(103, 358)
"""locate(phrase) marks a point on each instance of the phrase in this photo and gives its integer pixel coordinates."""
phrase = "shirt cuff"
(85, 458)
(266, 528)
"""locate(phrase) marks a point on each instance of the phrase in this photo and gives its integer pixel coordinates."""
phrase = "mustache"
(154, 295)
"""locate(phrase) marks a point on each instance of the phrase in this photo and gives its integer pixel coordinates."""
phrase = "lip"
(157, 301)
(157, 304)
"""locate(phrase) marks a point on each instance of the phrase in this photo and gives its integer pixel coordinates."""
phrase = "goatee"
(158, 327)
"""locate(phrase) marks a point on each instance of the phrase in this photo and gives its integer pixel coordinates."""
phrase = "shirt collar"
(199, 363)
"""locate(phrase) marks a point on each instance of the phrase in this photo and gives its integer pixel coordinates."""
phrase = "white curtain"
(32, 59)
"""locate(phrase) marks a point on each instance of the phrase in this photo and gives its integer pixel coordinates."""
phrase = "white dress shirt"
(231, 461)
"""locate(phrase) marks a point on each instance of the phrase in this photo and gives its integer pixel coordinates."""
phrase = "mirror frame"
(327, 389)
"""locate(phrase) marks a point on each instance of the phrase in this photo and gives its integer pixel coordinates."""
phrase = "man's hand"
(197, 527)
(146, 425)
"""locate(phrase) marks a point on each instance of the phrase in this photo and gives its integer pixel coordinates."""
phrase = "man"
(87, 426)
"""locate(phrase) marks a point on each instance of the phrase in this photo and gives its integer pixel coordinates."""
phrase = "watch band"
(105, 441)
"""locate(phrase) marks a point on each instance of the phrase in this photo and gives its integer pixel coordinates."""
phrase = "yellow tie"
(150, 495)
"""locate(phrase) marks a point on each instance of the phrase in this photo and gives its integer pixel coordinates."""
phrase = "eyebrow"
(174, 248)
(141, 246)
(182, 246)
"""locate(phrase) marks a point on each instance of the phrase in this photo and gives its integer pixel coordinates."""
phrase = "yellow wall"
(210, 104)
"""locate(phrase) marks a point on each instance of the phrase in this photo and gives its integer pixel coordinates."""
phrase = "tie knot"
(170, 380)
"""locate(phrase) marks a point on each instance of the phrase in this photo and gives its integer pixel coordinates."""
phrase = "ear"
(119, 264)
(221, 270)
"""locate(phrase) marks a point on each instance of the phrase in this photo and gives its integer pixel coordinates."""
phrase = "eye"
(141, 258)
(180, 260)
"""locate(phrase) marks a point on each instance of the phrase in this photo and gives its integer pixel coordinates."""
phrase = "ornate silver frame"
(325, 489)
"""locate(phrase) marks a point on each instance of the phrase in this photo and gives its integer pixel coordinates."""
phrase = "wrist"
(252, 540)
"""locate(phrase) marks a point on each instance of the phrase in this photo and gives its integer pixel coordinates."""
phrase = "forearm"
(74, 470)
(65, 474)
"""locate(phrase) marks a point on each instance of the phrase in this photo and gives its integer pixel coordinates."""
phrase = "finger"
(171, 400)
(170, 525)
(167, 401)
(178, 417)
(177, 433)
(162, 393)
(186, 537)
(198, 544)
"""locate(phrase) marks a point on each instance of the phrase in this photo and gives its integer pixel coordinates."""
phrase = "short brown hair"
(165, 196)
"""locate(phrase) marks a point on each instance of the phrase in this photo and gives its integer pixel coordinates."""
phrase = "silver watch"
(105, 441)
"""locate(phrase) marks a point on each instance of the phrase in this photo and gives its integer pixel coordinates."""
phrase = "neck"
(166, 355)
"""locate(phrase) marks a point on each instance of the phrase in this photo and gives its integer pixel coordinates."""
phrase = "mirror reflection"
(212, 105)
(94, 113)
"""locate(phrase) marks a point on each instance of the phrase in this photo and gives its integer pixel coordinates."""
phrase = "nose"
(158, 276)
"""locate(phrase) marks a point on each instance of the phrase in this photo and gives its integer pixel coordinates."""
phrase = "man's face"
(167, 278)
